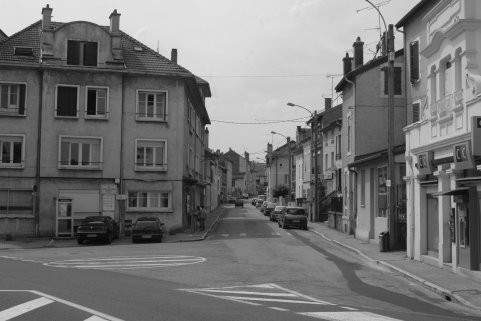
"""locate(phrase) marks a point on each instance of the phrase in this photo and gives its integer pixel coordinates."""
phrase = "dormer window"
(23, 51)
(82, 53)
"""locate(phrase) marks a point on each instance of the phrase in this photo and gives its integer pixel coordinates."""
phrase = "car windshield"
(142, 224)
(279, 208)
(94, 219)
(296, 211)
(271, 205)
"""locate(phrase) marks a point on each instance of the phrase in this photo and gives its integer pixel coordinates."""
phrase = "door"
(432, 226)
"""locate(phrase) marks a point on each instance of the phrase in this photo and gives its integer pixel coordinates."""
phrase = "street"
(247, 269)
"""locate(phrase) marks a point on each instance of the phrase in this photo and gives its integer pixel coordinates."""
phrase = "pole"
(390, 111)
(290, 167)
(314, 149)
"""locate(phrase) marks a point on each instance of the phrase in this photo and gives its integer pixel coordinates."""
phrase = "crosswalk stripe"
(347, 316)
(23, 308)
(273, 300)
(279, 309)
(251, 293)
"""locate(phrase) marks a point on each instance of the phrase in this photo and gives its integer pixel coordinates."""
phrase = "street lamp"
(290, 165)
(314, 149)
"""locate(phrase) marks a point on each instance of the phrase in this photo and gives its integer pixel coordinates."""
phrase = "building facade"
(86, 115)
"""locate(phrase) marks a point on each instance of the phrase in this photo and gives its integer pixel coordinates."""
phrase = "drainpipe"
(354, 122)
(122, 204)
(354, 196)
(36, 190)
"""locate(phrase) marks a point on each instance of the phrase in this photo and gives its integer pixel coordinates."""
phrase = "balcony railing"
(449, 103)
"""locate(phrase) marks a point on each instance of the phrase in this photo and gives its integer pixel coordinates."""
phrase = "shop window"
(67, 101)
(82, 53)
(16, 201)
(12, 99)
(80, 152)
(148, 200)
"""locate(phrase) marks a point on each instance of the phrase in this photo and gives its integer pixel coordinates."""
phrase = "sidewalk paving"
(454, 287)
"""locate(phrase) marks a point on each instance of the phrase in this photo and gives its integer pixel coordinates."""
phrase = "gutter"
(36, 190)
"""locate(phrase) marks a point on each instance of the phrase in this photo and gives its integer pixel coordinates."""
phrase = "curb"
(448, 294)
(203, 237)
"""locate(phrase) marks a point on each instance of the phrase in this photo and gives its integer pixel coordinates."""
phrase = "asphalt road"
(247, 269)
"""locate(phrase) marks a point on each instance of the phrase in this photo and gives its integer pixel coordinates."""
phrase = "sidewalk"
(454, 287)
(188, 235)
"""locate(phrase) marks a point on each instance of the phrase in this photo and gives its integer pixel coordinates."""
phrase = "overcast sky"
(257, 55)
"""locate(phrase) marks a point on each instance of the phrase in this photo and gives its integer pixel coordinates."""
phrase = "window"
(397, 81)
(67, 101)
(80, 152)
(414, 61)
(149, 200)
(332, 159)
(81, 53)
(151, 105)
(326, 159)
(12, 99)
(16, 201)
(349, 133)
(97, 102)
(11, 151)
(150, 154)
(382, 191)
(416, 107)
(363, 187)
(338, 146)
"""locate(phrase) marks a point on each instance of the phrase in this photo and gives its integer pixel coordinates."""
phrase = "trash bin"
(384, 241)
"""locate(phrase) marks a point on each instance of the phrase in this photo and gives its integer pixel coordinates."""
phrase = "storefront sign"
(425, 163)
(476, 135)
(463, 158)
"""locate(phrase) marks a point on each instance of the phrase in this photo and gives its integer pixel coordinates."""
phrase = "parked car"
(293, 217)
(263, 206)
(254, 201)
(231, 199)
(147, 229)
(269, 208)
(102, 228)
(276, 212)
(239, 202)
(245, 195)
(259, 203)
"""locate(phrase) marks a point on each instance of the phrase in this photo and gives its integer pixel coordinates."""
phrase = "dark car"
(269, 208)
(239, 202)
(293, 217)
(147, 229)
(102, 228)
(259, 203)
(231, 199)
(254, 201)
(276, 212)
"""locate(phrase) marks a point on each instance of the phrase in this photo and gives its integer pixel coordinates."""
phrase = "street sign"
(121, 197)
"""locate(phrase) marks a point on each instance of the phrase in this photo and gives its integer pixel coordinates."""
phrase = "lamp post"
(290, 165)
(391, 217)
(313, 149)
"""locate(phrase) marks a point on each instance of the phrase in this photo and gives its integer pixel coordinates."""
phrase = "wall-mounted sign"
(476, 135)
(463, 158)
(425, 163)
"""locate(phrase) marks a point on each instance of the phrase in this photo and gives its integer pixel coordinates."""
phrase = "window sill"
(12, 166)
(150, 119)
(66, 117)
(92, 117)
(9, 216)
(149, 210)
(11, 114)
(82, 168)
(151, 169)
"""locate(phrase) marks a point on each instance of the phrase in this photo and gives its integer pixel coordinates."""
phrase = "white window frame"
(13, 110)
(107, 101)
(149, 208)
(140, 117)
(14, 138)
(7, 212)
(72, 139)
(56, 102)
(152, 168)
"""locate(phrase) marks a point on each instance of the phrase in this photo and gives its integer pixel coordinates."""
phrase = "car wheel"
(108, 239)
(305, 227)
(284, 226)
(80, 240)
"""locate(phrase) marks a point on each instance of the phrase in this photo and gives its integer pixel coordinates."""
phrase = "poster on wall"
(463, 158)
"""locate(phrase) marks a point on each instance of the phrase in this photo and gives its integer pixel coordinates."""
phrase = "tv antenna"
(332, 76)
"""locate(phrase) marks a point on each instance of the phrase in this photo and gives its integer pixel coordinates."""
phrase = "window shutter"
(73, 52)
(414, 60)
(21, 107)
(416, 112)
(90, 54)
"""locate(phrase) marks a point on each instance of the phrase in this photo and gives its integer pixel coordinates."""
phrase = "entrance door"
(432, 226)
(64, 222)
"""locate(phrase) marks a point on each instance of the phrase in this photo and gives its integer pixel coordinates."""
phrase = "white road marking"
(243, 234)
(95, 318)
(349, 308)
(225, 235)
(100, 316)
(125, 263)
(347, 316)
(278, 309)
(251, 293)
(23, 308)
(272, 300)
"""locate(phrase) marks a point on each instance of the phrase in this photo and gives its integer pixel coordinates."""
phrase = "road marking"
(278, 309)
(23, 308)
(126, 263)
(347, 316)
(243, 234)
(351, 309)
(225, 235)
(272, 300)
(46, 297)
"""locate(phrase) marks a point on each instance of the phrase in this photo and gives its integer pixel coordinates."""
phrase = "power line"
(297, 120)
(263, 76)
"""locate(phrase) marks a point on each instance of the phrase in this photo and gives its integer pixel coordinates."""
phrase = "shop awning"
(457, 191)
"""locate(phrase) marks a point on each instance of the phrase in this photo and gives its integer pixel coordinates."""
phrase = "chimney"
(114, 22)
(327, 103)
(206, 137)
(347, 63)
(246, 156)
(173, 55)
(358, 53)
(46, 17)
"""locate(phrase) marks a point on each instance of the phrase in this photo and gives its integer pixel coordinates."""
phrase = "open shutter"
(21, 107)
(414, 60)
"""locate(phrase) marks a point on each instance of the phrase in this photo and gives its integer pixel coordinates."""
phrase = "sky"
(257, 55)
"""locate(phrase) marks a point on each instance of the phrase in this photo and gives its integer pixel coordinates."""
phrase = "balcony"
(445, 106)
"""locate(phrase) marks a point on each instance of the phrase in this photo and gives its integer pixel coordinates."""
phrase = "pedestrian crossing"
(281, 299)
(43, 307)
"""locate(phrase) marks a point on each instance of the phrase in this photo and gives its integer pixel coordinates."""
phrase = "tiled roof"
(145, 60)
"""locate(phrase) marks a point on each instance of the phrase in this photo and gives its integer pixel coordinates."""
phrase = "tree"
(280, 191)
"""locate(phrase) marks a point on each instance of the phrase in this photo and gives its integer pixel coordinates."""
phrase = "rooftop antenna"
(332, 76)
(379, 4)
